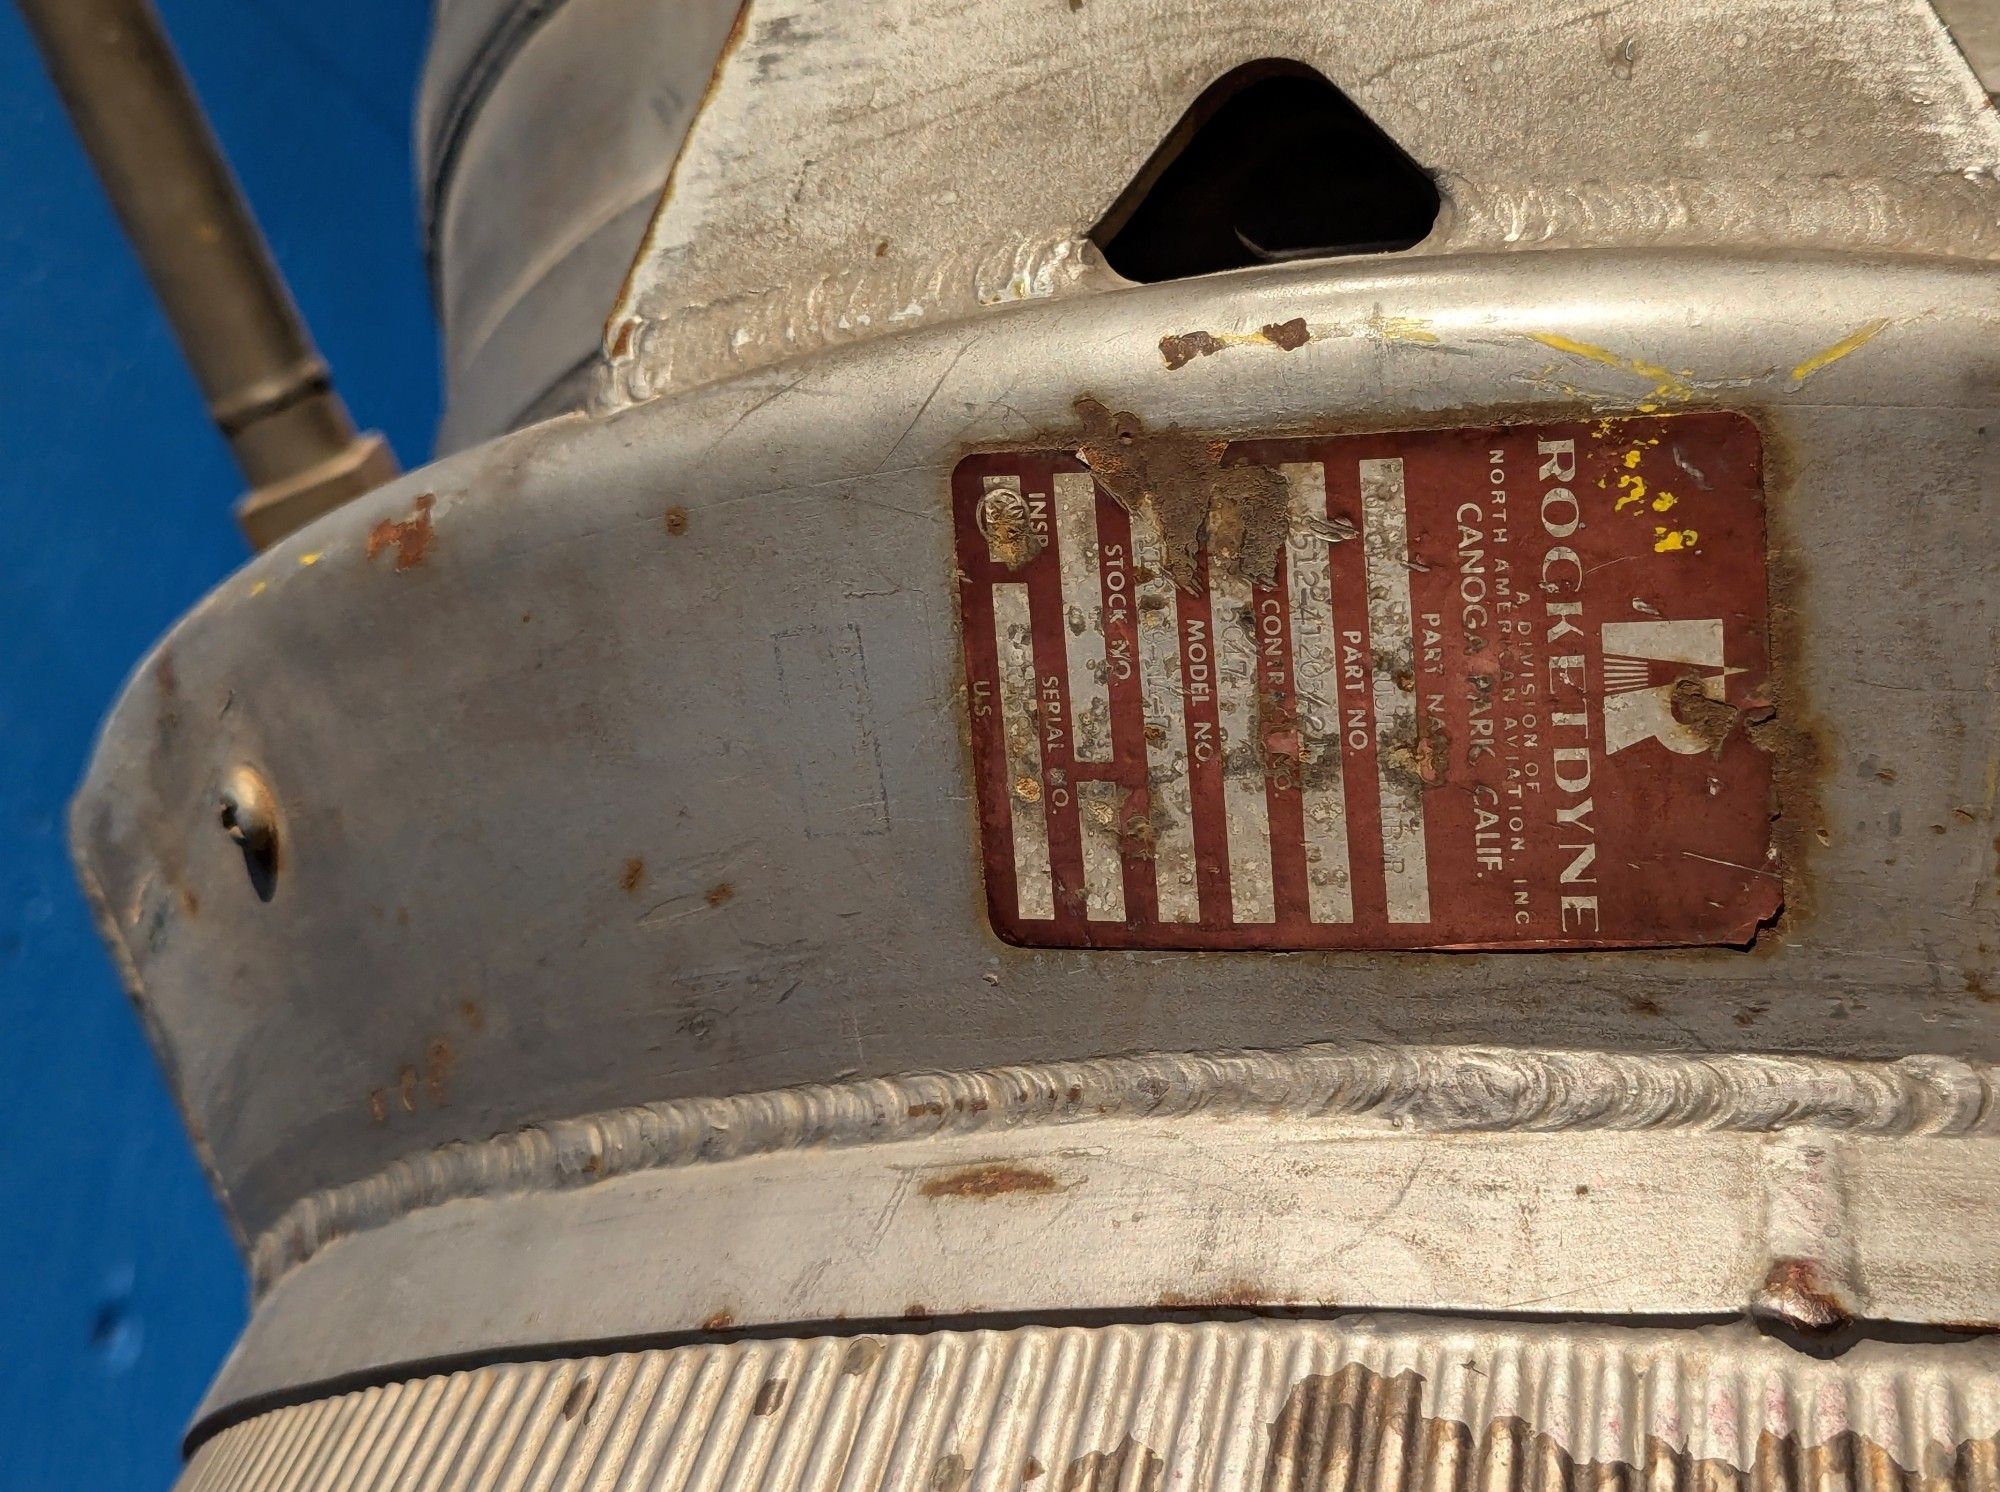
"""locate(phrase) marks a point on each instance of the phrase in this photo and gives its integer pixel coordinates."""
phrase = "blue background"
(119, 1286)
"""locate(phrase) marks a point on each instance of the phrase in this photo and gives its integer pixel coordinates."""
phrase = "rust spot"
(1127, 1467)
(582, 1394)
(1287, 336)
(1237, 1295)
(1333, 1429)
(190, 903)
(1008, 528)
(770, 1397)
(862, 1354)
(438, 1063)
(1711, 719)
(1798, 1293)
(916, 1311)
(1177, 351)
(378, 1105)
(1237, 512)
(471, 1014)
(720, 1321)
(882, 249)
(402, 916)
(933, 1108)
(995, 1179)
(622, 343)
(676, 520)
(719, 893)
(632, 875)
(950, 1474)
(409, 537)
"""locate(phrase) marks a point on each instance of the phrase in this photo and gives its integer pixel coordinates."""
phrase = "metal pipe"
(268, 390)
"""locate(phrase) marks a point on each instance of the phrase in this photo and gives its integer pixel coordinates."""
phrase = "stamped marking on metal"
(1494, 688)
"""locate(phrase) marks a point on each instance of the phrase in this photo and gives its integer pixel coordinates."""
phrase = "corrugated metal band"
(1358, 1405)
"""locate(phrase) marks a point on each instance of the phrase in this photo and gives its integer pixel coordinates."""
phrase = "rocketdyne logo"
(1644, 663)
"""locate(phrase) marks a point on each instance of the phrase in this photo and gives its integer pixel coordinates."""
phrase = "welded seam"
(1444, 1089)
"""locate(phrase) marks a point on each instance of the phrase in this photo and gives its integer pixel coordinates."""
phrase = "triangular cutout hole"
(1272, 163)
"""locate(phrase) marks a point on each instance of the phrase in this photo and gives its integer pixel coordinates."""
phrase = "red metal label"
(1483, 688)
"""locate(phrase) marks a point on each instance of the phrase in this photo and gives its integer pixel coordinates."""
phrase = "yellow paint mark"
(1867, 332)
(1664, 501)
(1632, 458)
(311, 559)
(1402, 328)
(259, 587)
(1667, 384)
(1632, 491)
(1667, 540)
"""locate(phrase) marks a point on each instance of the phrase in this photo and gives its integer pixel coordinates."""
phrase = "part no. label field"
(1481, 689)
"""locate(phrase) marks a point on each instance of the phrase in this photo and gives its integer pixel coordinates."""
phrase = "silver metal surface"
(1371, 1404)
(545, 131)
(617, 971)
(1812, 1193)
(814, 207)
(782, 755)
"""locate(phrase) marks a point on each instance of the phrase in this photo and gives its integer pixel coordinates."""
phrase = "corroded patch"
(409, 537)
(977, 1183)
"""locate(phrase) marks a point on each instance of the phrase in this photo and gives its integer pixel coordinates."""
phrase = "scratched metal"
(815, 206)
(459, 831)
(1496, 628)
(1809, 1192)
(619, 819)
(1361, 1404)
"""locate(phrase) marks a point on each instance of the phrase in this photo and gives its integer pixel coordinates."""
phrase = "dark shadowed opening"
(1272, 163)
